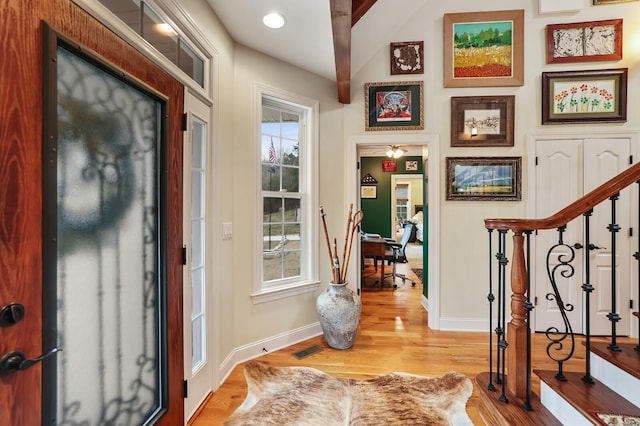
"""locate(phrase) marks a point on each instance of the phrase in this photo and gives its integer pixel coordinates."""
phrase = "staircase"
(606, 380)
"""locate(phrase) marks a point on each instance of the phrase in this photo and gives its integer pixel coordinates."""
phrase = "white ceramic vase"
(339, 314)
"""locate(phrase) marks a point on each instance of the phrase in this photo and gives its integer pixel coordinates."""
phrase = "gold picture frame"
(394, 106)
(468, 65)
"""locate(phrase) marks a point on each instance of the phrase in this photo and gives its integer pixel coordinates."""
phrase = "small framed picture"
(406, 57)
(389, 165)
(394, 106)
(584, 96)
(584, 41)
(368, 192)
(411, 165)
(484, 178)
(482, 120)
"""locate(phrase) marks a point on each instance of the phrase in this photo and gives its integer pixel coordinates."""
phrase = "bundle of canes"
(353, 222)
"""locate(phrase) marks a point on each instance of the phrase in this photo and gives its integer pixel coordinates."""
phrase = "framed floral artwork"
(484, 49)
(407, 57)
(584, 41)
(482, 120)
(394, 106)
(584, 96)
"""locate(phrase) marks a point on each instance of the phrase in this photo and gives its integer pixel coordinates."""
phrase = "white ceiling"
(306, 40)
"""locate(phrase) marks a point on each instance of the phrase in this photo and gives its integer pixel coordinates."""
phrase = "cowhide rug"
(306, 396)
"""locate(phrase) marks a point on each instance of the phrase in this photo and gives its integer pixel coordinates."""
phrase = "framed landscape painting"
(484, 178)
(484, 49)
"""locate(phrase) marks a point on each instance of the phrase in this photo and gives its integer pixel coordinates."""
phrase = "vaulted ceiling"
(331, 38)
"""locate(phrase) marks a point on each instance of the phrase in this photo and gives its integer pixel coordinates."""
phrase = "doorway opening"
(423, 148)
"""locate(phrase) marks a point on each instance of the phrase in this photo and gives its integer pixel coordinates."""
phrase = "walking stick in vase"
(336, 262)
(326, 237)
(356, 221)
(346, 238)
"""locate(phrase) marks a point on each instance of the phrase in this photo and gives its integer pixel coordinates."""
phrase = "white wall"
(239, 322)
(463, 237)
(258, 321)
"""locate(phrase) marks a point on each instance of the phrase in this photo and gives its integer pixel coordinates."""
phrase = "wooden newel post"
(517, 328)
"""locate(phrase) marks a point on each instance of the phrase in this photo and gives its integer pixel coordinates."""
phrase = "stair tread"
(628, 359)
(587, 398)
(494, 412)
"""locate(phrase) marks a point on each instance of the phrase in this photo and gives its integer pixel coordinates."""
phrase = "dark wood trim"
(341, 25)
(573, 210)
(359, 8)
(21, 179)
(496, 413)
(587, 398)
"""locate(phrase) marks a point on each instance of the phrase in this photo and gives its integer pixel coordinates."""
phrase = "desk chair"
(397, 255)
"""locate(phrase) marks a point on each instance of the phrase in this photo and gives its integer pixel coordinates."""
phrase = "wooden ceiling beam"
(344, 15)
(341, 25)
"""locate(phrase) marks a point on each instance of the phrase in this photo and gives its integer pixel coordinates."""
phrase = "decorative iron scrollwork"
(557, 336)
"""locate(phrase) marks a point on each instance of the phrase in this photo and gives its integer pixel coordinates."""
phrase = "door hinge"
(357, 165)
(184, 122)
(630, 159)
(535, 301)
(630, 231)
(536, 160)
(185, 389)
(630, 303)
(184, 255)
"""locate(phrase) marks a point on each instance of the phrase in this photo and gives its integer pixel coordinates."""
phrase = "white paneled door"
(566, 170)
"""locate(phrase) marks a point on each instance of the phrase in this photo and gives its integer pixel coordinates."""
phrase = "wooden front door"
(22, 220)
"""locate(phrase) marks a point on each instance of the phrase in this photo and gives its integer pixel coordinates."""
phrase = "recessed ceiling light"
(274, 20)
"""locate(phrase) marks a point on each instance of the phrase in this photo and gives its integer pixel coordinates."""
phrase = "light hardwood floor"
(392, 336)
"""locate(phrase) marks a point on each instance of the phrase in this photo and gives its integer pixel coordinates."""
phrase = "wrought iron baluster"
(613, 315)
(588, 289)
(502, 342)
(529, 307)
(490, 298)
(566, 270)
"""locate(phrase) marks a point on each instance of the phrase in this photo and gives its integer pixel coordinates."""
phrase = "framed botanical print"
(584, 96)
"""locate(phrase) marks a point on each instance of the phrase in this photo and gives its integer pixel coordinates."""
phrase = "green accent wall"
(377, 211)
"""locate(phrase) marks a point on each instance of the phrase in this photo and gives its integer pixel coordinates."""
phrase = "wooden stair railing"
(517, 329)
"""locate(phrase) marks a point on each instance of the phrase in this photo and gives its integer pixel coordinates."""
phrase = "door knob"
(16, 360)
(11, 314)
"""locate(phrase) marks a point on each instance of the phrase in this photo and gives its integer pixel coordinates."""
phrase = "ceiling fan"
(395, 151)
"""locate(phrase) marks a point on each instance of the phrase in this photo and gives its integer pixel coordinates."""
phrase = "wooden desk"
(375, 248)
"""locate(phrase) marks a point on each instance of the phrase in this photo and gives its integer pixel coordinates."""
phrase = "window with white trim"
(288, 193)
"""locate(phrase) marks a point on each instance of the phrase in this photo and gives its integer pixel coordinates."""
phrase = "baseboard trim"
(262, 347)
(464, 324)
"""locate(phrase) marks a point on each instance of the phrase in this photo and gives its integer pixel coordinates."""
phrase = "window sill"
(275, 293)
